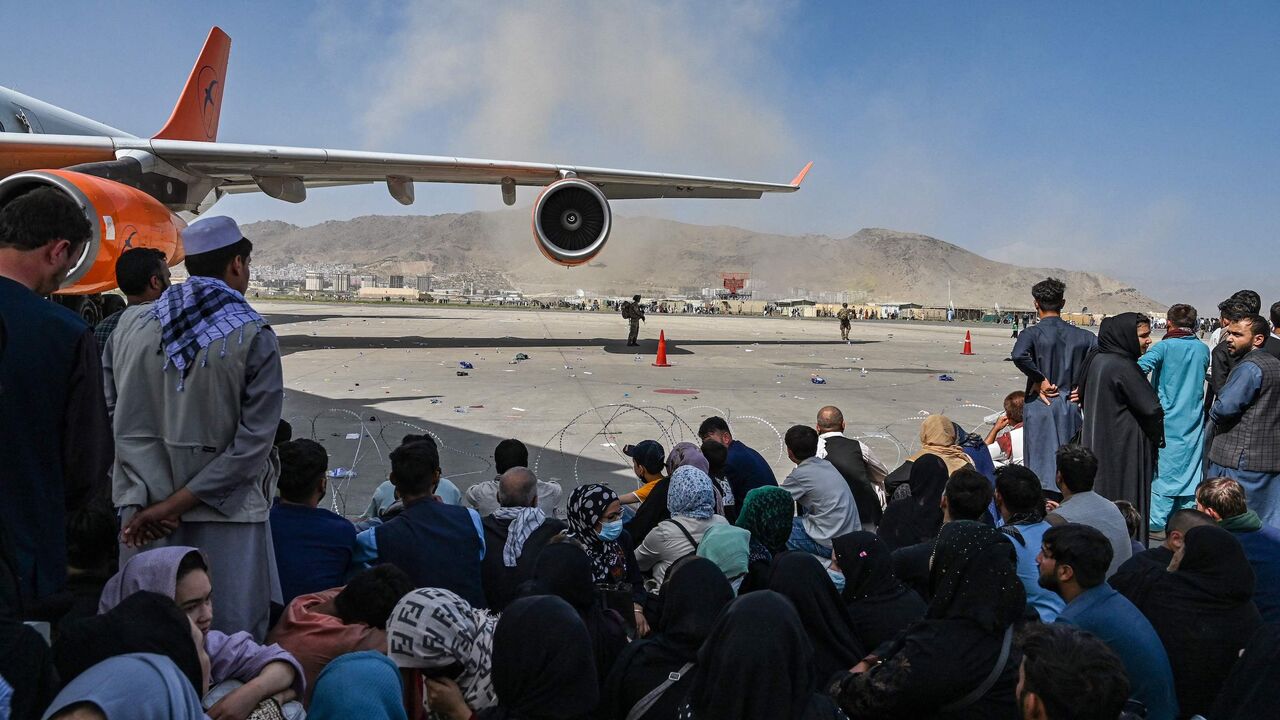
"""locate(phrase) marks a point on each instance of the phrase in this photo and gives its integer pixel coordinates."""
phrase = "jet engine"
(571, 221)
(122, 218)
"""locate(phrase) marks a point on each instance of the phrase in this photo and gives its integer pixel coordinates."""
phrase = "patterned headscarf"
(587, 505)
(433, 628)
(690, 494)
(197, 313)
(974, 575)
(767, 513)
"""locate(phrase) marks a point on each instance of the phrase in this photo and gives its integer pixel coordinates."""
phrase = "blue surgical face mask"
(837, 577)
(611, 530)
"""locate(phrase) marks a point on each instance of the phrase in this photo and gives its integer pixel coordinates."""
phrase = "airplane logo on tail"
(211, 88)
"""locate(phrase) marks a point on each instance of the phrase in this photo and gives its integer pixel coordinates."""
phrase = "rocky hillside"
(654, 256)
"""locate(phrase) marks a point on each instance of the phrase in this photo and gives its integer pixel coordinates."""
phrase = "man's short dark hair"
(968, 494)
(1275, 316)
(372, 595)
(1224, 496)
(635, 298)
(1020, 489)
(1232, 310)
(1132, 518)
(1182, 316)
(302, 466)
(214, 263)
(136, 267)
(284, 432)
(1050, 293)
(1084, 548)
(1075, 675)
(1078, 466)
(802, 441)
(510, 453)
(1250, 300)
(424, 438)
(1257, 324)
(1014, 406)
(716, 455)
(38, 217)
(1187, 518)
(712, 424)
(413, 468)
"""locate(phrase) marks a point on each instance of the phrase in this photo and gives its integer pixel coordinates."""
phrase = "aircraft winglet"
(800, 176)
(195, 116)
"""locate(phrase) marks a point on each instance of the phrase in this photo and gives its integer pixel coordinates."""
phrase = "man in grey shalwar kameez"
(1050, 353)
(195, 388)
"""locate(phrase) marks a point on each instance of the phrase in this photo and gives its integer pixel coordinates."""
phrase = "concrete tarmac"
(359, 377)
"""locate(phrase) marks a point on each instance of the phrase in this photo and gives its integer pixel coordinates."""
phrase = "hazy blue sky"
(1133, 138)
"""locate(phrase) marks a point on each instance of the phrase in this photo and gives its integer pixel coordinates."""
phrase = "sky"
(1136, 139)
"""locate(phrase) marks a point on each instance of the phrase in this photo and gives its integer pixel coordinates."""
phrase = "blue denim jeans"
(801, 541)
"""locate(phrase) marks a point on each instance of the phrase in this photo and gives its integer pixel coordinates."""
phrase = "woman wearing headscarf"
(136, 686)
(181, 573)
(358, 686)
(595, 523)
(695, 593)
(1123, 420)
(937, 437)
(145, 622)
(1250, 690)
(766, 513)
(802, 579)
(654, 510)
(564, 570)
(434, 633)
(917, 518)
(691, 501)
(1202, 609)
(757, 664)
(959, 661)
(542, 667)
(880, 606)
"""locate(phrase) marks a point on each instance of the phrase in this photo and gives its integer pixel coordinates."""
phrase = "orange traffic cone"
(968, 344)
(662, 350)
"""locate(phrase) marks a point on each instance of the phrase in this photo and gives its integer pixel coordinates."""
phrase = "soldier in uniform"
(633, 313)
(845, 315)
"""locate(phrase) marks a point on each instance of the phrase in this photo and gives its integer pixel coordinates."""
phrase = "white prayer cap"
(210, 234)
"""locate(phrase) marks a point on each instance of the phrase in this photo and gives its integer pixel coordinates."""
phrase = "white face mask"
(736, 583)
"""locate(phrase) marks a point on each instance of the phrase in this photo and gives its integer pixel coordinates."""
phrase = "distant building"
(314, 282)
(402, 294)
(397, 281)
(424, 283)
(342, 283)
(367, 281)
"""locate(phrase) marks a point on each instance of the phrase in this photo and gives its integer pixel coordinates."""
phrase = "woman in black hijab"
(564, 570)
(1123, 420)
(1202, 609)
(694, 592)
(880, 606)
(757, 664)
(916, 519)
(145, 622)
(959, 661)
(802, 579)
(543, 668)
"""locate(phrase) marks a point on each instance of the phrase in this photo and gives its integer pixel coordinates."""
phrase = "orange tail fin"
(195, 116)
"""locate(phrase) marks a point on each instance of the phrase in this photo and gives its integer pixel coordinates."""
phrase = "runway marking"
(676, 391)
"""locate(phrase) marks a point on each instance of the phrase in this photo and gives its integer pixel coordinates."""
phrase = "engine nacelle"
(571, 221)
(122, 218)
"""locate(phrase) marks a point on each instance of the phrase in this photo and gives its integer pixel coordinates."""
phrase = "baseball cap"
(648, 453)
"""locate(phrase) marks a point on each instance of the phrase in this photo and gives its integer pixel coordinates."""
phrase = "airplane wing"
(245, 168)
(285, 172)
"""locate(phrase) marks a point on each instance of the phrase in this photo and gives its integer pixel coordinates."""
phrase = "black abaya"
(694, 593)
(757, 664)
(564, 570)
(801, 578)
(543, 668)
(1123, 420)
(1203, 612)
(880, 605)
(915, 519)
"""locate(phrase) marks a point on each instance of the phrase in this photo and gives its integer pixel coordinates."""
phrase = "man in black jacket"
(856, 464)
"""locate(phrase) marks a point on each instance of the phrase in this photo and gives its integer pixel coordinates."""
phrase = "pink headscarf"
(686, 453)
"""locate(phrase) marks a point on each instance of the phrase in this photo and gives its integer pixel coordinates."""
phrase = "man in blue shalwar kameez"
(1177, 366)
